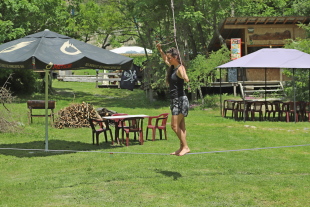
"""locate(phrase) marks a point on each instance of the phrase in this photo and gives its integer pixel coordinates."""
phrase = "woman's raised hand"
(158, 45)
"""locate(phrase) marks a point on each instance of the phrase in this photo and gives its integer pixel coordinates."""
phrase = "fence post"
(97, 71)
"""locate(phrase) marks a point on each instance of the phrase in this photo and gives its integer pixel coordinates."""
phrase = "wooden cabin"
(257, 33)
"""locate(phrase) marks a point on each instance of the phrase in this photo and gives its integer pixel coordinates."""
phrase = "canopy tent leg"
(221, 107)
(294, 90)
(244, 106)
(265, 84)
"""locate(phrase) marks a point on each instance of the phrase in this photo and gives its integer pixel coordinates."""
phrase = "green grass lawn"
(146, 175)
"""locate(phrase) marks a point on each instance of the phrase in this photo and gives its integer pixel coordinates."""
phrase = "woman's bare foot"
(183, 152)
(176, 152)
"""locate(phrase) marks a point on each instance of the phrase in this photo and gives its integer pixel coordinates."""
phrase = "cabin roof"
(231, 27)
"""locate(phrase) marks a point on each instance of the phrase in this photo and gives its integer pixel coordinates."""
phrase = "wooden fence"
(100, 78)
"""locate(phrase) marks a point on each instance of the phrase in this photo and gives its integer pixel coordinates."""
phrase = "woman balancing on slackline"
(179, 103)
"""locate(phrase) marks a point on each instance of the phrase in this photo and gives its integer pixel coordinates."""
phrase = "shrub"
(22, 81)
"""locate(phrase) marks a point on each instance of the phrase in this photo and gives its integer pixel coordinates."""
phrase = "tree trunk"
(217, 32)
(201, 96)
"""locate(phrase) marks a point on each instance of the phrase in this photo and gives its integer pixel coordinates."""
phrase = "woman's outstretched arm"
(163, 55)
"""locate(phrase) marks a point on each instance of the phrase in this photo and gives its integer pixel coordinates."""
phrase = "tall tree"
(20, 18)
(301, 77)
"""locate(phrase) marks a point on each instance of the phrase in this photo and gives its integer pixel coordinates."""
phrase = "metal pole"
(46, 110)
(265, 84)
(221, 113)
(244, 103)
(294, 90)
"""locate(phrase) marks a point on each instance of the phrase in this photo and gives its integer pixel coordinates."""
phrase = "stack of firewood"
(76, 116)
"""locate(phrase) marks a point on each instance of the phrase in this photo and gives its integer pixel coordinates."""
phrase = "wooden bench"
(40, 104)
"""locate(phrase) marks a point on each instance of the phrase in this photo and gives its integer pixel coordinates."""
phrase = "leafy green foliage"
(156, 74)
(192, 15)
(203, 70)
(198, 72)
(22, 81)
(20, 18)
(84, 19)
(299, 76)
(102, 22)
(143, 22)
(139, 60)
(272, 8)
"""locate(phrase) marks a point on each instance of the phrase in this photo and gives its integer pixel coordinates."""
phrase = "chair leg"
(127, 139)
(93, 138)
(160, 134)
(280, 116)
(236, 115)
(147, 132)
(97, 138)
(141, 137)
(123, 141)
(287, 117)
(117, 135)
(302, 117)
(165, 131)
(241, 115)
(274, 116)
(111, 137)
(224, 113)
(105, 136)
(153, 134)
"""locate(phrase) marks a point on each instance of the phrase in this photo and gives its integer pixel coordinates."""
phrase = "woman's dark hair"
(175, 54)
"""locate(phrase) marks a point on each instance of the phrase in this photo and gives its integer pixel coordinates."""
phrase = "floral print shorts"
(179, 105)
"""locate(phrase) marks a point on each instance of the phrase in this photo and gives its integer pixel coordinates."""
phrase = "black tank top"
(176, 85)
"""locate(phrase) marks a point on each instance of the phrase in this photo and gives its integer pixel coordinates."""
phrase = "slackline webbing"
(141, 153)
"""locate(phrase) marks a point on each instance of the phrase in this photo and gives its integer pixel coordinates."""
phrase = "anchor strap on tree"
(174, 32)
